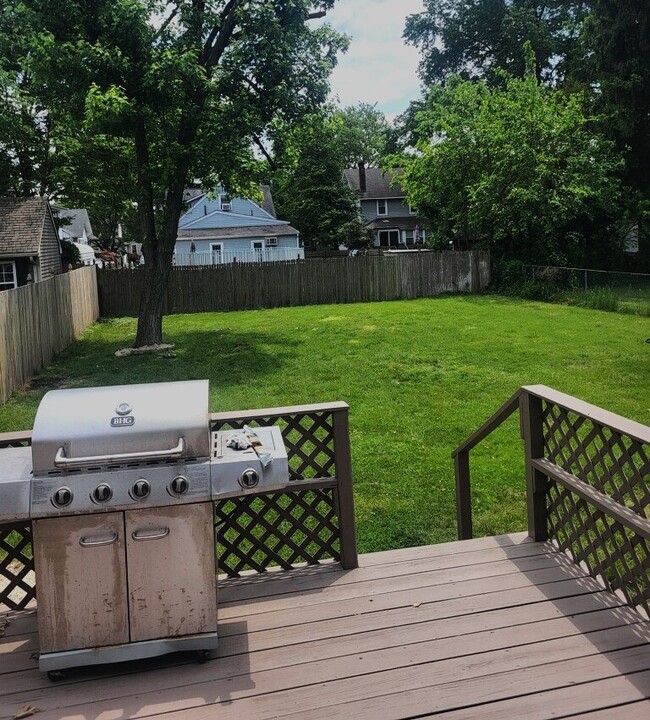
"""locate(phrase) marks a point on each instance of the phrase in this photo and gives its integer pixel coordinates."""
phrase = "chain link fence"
(601, 289)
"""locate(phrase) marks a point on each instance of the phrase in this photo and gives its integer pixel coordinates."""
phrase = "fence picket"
(251, 286)
(39, 320)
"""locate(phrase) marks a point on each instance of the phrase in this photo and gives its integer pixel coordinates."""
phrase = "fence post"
(463, 497)
(344, 497)
(536, 482)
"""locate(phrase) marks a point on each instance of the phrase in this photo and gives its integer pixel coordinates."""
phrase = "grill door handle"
(85, 542)
(62, 461)
(155, 534)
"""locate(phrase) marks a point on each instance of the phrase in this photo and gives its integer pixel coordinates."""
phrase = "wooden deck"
(492, 628)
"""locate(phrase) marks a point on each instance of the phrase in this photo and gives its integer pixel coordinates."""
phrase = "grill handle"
(151, 534)
(61, 461)
(85, 542)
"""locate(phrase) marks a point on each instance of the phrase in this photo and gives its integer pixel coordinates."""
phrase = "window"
(388, 238)
(271, 242)
(382, 207)
(412, 210)
(8, 280)
(226, 205)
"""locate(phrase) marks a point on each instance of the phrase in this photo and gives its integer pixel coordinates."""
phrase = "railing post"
(463, 496)
(344, 497)
(536, 481)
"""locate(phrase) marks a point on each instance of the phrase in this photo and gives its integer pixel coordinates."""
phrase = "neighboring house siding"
(50, 253)
(201, 246)
(395, 208)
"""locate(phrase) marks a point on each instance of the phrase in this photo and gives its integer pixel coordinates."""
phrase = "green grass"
(419, 376)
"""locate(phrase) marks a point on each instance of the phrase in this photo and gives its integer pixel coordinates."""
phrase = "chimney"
(362, 177)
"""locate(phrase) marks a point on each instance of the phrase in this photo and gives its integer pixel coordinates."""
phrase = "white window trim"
(15, 274)
(261, 242)
(385, 201)
(268, 243)
(412, 210)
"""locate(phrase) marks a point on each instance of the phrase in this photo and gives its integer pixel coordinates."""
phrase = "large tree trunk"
(158, 247)
(157, 269)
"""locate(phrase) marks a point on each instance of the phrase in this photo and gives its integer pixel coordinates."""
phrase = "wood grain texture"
(383, 641)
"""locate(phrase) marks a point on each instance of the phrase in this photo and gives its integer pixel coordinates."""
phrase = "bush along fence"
(250, 286)
(41, 319)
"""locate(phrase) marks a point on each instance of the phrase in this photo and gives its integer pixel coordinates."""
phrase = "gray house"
(217, 229)
(385, 208)
(29, 242)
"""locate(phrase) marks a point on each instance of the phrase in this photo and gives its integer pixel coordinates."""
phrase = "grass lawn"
(419, 376)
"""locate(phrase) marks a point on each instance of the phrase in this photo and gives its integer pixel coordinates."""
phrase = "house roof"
(21, 225)
(267, 230)
(206, 214)
(78, 222)
(379, 183)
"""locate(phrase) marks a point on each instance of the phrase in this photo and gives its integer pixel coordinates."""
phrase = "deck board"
(493, 628)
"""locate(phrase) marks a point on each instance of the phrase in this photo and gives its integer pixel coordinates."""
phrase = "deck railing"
(587, 485)
(311, 520)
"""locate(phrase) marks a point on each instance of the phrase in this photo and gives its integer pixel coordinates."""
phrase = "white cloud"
(379, 67)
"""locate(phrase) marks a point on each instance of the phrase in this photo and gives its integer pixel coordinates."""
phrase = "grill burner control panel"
(113, 489)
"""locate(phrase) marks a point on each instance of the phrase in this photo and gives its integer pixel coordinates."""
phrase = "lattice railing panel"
(280, 528)
(610, 550)
(610, 461)
(309, 439)
(16, 568)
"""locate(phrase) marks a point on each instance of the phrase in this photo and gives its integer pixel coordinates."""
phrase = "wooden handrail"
(621, 424)
(490, 425)
(242, 415)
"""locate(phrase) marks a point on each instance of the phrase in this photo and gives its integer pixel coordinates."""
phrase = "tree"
(362, 133)
(619, 33)
(474, 37)
(189, 83)
(308, 183)
(517, 168)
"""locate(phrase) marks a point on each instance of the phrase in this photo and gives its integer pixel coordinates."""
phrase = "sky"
(379, 67)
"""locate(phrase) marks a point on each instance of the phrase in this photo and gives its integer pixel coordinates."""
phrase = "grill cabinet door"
(171, 571)
(81, 582)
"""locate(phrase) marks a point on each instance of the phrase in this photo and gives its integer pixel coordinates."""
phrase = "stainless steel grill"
(119, 483)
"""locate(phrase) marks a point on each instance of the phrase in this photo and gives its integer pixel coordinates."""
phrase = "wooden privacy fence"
(311, 520)
(41, 319)
(250, 286)
(587, 482)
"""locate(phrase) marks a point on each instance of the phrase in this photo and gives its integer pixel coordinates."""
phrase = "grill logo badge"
(124, 418)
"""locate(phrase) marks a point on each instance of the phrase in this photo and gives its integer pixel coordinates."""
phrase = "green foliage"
(517, 168)
(474, 38)
(308, 182)
(70, 254)
(363, 134)
(619, 34)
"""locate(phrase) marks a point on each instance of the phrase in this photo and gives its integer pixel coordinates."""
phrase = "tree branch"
(165, 25)
(269, 159)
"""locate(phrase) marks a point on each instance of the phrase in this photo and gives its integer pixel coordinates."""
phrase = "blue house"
(218, 229)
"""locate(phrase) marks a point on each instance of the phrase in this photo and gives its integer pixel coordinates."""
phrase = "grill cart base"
(48, 662)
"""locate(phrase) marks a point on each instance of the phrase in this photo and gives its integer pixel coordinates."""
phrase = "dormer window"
(226, 205)
(382, 207)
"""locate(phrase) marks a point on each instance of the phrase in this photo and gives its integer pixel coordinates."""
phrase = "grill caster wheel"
(55, 675)
(203, 656)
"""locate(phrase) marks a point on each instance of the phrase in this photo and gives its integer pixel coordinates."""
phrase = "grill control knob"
(249, 478)
(141, 489)
(62, 497)
(102, 493)
(180, 485)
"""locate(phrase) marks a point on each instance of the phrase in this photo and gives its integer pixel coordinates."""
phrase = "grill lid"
(88, 427)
